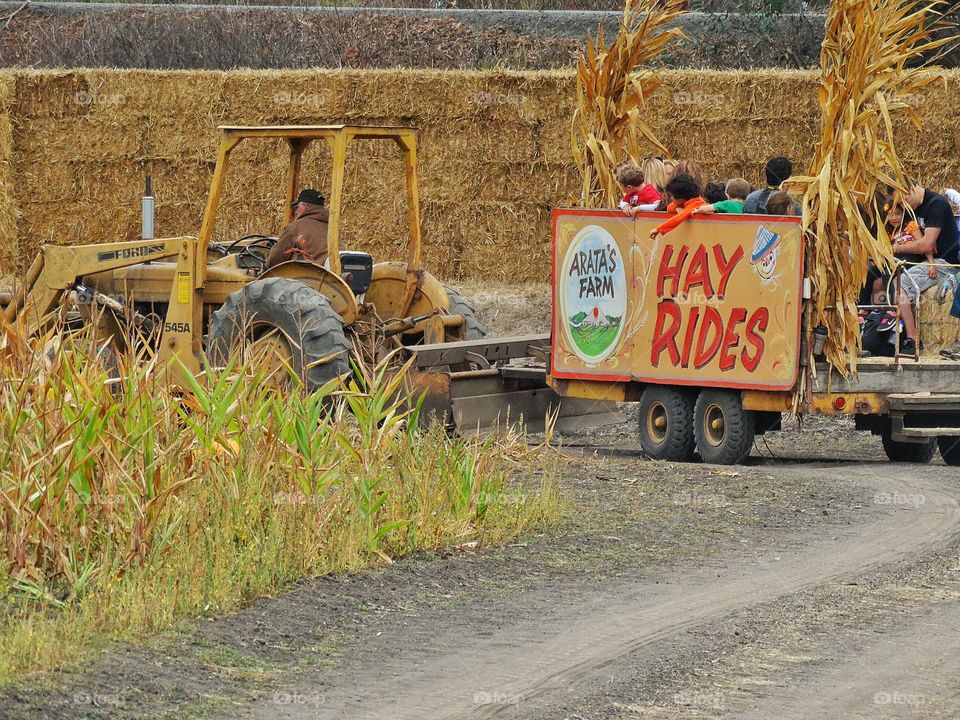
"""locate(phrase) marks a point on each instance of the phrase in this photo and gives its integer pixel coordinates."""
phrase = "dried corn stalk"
(608, 122)
(863, 82)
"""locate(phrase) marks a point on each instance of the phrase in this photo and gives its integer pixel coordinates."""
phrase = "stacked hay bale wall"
(8, 205)
(494, 152)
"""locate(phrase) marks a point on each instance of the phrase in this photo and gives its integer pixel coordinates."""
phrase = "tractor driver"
(305, 238)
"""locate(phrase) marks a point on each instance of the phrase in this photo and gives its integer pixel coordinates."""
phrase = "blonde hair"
(737, 189)
(654, 172)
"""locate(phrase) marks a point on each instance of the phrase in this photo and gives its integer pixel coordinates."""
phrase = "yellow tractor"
(187, 297)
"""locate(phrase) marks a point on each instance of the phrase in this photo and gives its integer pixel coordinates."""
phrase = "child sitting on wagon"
(736, 191)
(638, 194)
(685, 192)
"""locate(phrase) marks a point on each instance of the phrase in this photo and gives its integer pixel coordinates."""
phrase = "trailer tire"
(666, 423)
(908, 452)
(949, 449)
(724, 431)
(309, 326)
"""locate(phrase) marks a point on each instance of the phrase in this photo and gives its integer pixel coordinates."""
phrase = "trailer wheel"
(908, 452)
(724, 430)
(666, 423)
(293, 319)
(949, 449)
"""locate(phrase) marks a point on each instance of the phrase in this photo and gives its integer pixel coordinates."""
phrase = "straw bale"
(51, 93)
(8, 206)
(58, 179)
(287, 97)
(79, 138)
(937, 327)
(71, 223)
(494, 151)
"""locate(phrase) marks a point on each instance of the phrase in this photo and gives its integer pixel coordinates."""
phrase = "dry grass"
(864, 81)
(610, 120)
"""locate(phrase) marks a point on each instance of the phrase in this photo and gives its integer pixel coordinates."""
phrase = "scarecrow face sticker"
(593, 294)
(766, 250)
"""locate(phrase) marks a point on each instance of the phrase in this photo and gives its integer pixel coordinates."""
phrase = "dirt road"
(788, 588)
(535, 666)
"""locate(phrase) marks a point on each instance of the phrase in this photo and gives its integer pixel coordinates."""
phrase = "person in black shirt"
(939, 237)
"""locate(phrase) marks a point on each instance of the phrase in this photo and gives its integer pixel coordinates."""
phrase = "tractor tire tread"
(459, 306)
(315, 329)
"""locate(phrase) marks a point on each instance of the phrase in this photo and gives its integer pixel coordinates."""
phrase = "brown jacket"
(303, 239)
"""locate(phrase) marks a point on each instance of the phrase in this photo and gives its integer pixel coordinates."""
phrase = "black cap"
(310, 197)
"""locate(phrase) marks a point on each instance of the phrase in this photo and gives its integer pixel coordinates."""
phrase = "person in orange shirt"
(686, 198)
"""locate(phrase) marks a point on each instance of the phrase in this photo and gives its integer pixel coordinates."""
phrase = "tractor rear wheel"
(666, 423)
(279, 319)
(459, 306)
(724, 430)
(473, 330)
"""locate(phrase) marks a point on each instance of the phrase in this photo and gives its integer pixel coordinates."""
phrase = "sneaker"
(952, 352)
(945, 287)
(908, 346)
(887, 322)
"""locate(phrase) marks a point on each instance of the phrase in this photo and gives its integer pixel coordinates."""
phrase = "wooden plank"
(928, 375)
(925, 432)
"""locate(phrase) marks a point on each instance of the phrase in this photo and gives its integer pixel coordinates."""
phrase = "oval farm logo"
(594, 294)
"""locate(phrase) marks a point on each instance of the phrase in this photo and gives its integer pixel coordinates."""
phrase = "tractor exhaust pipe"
(148, 211)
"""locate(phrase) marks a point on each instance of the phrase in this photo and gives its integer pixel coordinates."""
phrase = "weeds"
(126, 507)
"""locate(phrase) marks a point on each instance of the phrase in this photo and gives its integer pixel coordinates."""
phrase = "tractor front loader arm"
(57, 269)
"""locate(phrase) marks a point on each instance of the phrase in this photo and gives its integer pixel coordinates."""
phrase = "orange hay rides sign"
(715, 303)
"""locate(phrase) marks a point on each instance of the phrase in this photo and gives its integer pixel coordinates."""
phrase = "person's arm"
(927, 243)
(669, 224)
(931, 267)
(280, 251)
(705, 209)
(625, 206)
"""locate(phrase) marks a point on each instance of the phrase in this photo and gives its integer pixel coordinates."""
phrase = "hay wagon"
(706, 329)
